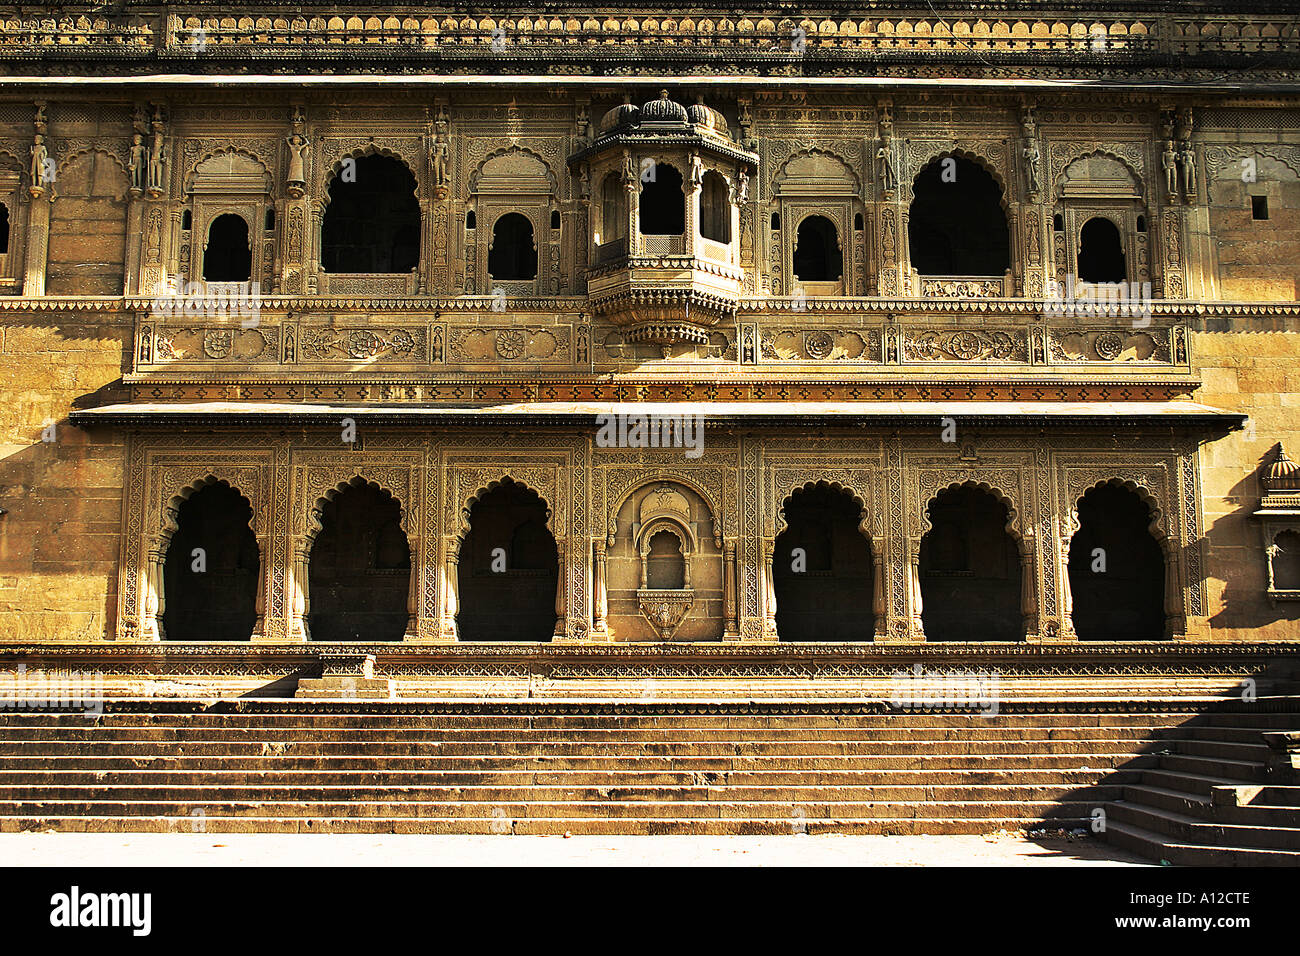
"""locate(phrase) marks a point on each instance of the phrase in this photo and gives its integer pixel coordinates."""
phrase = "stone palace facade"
(637, 324)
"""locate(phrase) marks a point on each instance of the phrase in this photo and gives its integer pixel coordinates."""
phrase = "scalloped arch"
(357, 480)
(1083, 152)
(711, 500)
(505, 151)
(171, 510)
(1012, 527)
(961, 152)
(468, 505)
(858, 497)
(86, 150)
(368, 149)
(1145, 495)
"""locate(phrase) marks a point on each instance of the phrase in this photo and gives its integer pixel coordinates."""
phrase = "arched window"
(957, 226)
(4, 229)
(211, 572)
(715, 208)
(372, 222)
(1286, 561)
(227, 256)
(514, 253)
(663, 204)
(613, 209)
(1101, 254)
(665, 564)
(1116, 569)
(817, 256)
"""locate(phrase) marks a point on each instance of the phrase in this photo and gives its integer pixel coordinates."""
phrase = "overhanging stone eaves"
(1176, 414)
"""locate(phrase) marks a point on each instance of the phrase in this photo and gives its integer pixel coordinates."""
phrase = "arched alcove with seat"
(1116, 568)
(360, 567)
(227, 255)
(957, 225)
(211, 569)
(372, 218)
(508, 570)
(822, 569)
(970, 569)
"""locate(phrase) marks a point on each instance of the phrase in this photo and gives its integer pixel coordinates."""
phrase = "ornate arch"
(1157, 525)
(168, 523)
(991, 487)
(215, 151)
(937, 152)
(859, 496)
(468, 504)
(78, 151)
(779, 175)
(505, 151)
(617, 501)
(1073, 152)
(369, 149)
(680, 531)
(317, 503)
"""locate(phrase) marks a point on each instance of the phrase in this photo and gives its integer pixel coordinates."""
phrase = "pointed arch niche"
(663, 568)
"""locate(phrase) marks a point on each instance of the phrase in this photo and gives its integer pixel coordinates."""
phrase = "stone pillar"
(878, 605)
(263, 582)
(413, 590)
(1066, 597)
(916, 628)
(769, 591)
(1175, 620)
(561, 590)
(731, 623)
(298, 597)
(36, 245)
(155, 599)
(1029, 589)
(600, 610)
(449, 587)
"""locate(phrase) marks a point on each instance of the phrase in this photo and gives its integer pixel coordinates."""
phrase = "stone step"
(925, 777)
(1156, 846)
(610, 749)
(550, 762)
(1230, 770)
(364, 736)
(1024, 811)
(1182, 781)
(539, 826)
(1183, 828)
(1256, 752)
(799, 792)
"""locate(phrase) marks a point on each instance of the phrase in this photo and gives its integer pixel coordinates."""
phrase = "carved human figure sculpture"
(139, 165)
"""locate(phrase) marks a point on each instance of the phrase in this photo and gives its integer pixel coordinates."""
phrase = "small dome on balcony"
(623, 114)
(663, 110)
(707, 117)
(1283, 474)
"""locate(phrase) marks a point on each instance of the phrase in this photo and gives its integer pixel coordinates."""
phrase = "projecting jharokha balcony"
(669, 183)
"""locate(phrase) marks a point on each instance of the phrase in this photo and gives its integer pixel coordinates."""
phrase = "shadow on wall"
(1245, 601)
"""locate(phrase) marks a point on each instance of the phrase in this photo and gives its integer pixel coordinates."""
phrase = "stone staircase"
(596, 767)
(1222, 792)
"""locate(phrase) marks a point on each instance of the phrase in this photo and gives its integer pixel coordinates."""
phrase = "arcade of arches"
(664, 573)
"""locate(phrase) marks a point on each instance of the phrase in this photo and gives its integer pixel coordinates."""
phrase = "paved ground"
(244, 849)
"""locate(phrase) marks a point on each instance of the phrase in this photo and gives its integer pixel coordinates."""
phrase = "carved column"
(769, 591)
(917, 628)
(263, 582)
(449, 587)
(600, 610)
(37, 245)
(561, 590)
(1029, 589)
(298, 596)
(155, 600)
(413, 590)
(878, 605)
(1175, 619)
(1068, 632)
(730, 604)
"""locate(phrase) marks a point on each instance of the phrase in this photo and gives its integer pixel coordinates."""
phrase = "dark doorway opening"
(1116, 569)
(509, 569)
(715, 208)
(227, 257)
(514, 252)
(1101, 254)
(211, 595)
(817, 254)
(665, 564)
(663, 204)
(360, 568)
(957, 226)
(832, 597)
(372, 223)
(970, 569)
(4, 229)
